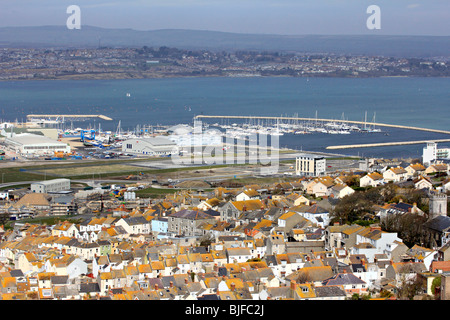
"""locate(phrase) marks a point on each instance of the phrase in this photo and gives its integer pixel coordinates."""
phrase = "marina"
(97, 142)
(317, 114)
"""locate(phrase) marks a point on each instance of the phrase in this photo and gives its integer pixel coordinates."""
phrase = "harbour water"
(421, 102)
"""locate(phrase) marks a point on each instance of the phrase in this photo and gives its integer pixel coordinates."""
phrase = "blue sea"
(421, 102)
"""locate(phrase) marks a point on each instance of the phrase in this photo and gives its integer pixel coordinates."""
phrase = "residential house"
(404, 271)
(296, 199)
(415, 170)
(392, 210)
(110, 280)
(444, 252)
(420, 254)
(232, 210)
(315, 275)
(186, 222)
(395, 174)
(440, 267)
(341, 236)
(65, 229)
(350, 283)
(135, 225)
(380, 242)
(160, 227)
(212, 203)
(100, 264)
(314, 213)
(373, 179)
(437, 168)
(288, 220)
(341, 190)
(67, 265)
(320, 187)
(423, 183)
(275, 244)
(330, 293)
(29, 262)
(248, 194)
(239, 254)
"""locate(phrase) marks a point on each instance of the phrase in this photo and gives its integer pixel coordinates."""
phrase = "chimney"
(293, 285)
(186, 281)
(171, 284)
(156, 286)
(233, 286)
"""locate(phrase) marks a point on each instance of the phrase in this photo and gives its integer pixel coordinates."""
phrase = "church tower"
(438, 205)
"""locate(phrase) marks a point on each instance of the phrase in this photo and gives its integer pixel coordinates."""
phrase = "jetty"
(68, 116)
(384, 144)
(280, 118)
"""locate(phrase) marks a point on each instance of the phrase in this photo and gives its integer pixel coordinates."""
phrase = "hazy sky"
(398, 17)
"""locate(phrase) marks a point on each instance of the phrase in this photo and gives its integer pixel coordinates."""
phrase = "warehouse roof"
(29, 138)
(50, 182)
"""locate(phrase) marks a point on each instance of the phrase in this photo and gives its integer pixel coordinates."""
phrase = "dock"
(68, 116)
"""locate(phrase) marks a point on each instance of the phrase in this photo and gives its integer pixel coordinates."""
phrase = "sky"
(288, 17)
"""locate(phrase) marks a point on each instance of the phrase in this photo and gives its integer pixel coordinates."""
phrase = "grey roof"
(191, 214)
(89, 287)
(343, 279)
(59, 279)
(208, 297)
(135, 220)
(222, 272)
(329, 291)
(270, 260)
(440, 223)
(156, 281)
(16, 273)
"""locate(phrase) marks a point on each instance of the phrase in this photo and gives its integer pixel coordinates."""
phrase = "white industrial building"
(153, 146)
(49, 186)
(28, 143)
(310, 165)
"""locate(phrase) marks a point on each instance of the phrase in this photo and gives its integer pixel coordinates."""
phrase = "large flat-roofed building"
(429, 153)
(154, 146)
(49, 186)
(28, 143)
(310, 165)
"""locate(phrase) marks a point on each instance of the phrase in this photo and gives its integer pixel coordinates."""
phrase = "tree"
(410, 285)
(206, 240)
(436, 287)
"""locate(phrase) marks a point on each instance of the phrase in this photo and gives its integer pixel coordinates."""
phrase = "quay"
(322, 120)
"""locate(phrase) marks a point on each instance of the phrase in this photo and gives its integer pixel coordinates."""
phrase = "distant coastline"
(125, 77)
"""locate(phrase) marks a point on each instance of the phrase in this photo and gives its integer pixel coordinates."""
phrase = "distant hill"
(60, 36)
